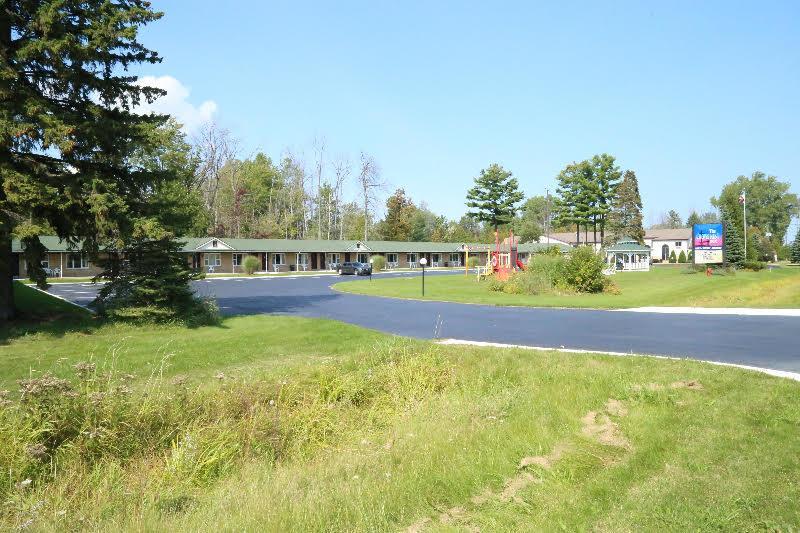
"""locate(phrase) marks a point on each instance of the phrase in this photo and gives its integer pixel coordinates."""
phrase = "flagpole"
(744, 216)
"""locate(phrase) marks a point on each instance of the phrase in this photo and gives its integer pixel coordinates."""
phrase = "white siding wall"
(676, 245)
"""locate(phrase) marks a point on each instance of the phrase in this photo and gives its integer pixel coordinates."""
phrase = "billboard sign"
(708, 241)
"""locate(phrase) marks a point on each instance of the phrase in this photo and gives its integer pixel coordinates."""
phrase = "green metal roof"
(51, 242)
(628, 247)
(194, 244)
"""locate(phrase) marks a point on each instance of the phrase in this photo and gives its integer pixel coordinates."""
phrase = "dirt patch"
(418, 526)
(689, 384)
(545, 461)
(596, 425)
(616, 407)
(599, 427)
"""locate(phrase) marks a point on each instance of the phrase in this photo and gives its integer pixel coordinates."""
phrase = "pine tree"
(575, 196)
(67, 130)
(733, 244)
(495, 197)
(625, 219)
(400, 212)
(153, 281)
(682, 257)
(672, 258)
(795, 252)
(606, 178)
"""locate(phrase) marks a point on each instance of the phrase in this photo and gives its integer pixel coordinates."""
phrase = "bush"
(682, 257)
(755, 266)
(672, 257)
(472, 262)
(378, 263)
(583, 271)
(251, 264)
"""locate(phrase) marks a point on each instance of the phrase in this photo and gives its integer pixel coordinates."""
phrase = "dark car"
(359, 269)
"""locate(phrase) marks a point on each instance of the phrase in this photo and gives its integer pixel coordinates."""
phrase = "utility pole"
(547, 215)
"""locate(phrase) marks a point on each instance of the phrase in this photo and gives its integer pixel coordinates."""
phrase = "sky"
(687, 94)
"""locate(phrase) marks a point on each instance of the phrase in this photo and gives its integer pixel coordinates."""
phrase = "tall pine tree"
(606, 177)
(67, 130)
(575, 197)
(795, 251)
(625, 218)
(733, 244)
(495, 197)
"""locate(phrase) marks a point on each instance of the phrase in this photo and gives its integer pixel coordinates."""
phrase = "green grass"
(661, 286)
(322, 426)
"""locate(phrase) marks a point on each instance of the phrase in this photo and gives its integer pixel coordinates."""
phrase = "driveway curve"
(763, 341)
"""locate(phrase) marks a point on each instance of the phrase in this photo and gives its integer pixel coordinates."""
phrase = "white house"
(663, 242)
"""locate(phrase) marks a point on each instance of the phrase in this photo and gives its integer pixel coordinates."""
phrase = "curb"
(795, 376)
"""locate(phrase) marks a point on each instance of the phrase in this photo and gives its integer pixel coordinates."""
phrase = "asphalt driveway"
(764, 341)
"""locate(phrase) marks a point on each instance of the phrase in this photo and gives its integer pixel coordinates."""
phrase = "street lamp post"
(423, 262)
(371, 259)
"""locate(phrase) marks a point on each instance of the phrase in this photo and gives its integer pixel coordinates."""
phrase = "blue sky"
(688, 94)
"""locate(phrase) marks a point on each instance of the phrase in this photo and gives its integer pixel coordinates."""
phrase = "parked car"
(353, 267)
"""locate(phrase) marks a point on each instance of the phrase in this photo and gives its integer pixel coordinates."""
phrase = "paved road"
(764, 341)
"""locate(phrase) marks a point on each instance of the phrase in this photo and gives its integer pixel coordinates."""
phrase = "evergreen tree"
(605, 180)
(67, 130)
(152, 282)
(672, 257)
(682, 257)
(495, 197)
(575, 196)
(795, 251)
(399, 217)
(733, 244)
(625, 218)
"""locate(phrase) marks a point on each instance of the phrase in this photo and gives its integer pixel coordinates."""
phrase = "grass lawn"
(661, 286)
(319, 426)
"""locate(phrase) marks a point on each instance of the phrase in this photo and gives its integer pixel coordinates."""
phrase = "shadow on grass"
(42, 313)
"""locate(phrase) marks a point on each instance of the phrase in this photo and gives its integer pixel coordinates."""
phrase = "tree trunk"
(594, 222)
(6, 270)
(578, 233)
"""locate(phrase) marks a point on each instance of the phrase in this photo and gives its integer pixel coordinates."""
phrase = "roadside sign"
(708, 244)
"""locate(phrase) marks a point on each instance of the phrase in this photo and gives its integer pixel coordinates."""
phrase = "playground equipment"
(502, 261)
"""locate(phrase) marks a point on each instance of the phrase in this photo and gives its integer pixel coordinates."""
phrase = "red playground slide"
(520, 265)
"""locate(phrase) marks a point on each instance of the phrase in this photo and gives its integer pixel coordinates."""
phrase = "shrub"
(378, 263)
(583, 271)
(251, 264)
(472, 262)
(496, 284)
(755, 266)
(672, 257)
(682, 257)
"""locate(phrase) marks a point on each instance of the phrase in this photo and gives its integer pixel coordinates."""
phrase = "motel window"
(238, 259)
(77, 261)
(435, 258)
(302, 259)
(212, 260)
(334, 259)
(45, 262)
(391, 258)
(363, 258)
(455, 258)
(277, 259)
(677, 244)
(412, 258)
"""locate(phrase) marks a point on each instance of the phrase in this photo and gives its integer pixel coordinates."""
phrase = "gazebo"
(628, 255)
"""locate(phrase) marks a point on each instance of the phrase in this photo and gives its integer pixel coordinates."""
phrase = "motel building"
(214, 255)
